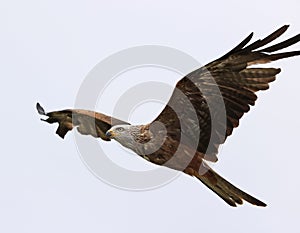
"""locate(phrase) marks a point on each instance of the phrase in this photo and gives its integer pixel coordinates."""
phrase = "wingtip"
(262, 204)
(40, 109)
(249, 37)
(284, 27)
(257, 202)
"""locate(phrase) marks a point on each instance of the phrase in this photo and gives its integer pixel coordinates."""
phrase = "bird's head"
(124, 134)
(138, 138)
(130, 136)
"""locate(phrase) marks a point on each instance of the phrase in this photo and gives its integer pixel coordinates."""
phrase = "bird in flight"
(204, 108)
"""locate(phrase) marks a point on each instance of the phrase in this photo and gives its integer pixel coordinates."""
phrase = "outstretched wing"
(87, 122)
(218, 94)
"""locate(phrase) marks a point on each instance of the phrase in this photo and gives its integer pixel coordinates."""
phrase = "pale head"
(125, 134)
(139, 138)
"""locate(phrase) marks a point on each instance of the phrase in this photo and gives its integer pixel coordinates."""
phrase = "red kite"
(202, 112)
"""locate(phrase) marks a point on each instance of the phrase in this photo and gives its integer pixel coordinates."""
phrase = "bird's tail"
(224, 189)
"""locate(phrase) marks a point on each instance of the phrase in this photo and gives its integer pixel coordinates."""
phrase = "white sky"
(47, 49)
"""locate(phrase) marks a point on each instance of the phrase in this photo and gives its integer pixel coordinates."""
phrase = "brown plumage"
(87, 122)
(202, 112)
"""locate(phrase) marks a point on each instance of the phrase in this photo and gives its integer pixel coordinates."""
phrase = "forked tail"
(227, 191)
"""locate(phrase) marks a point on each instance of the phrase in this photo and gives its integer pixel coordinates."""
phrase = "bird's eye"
(120, 129)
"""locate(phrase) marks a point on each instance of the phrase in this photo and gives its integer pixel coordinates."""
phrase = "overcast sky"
(47, 50)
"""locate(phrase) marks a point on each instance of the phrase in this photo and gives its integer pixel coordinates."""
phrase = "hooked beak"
(109, 134)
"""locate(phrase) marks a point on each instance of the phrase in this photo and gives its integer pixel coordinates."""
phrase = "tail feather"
(224, 189)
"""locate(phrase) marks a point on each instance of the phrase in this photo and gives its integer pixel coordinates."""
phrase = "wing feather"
(87, 122)
(234, 82)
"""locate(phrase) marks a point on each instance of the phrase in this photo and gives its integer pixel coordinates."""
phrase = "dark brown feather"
(281, 45)
(227, 79)
(259, 43)
(224, 189)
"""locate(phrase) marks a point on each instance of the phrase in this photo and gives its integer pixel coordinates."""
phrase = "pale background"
(46, 50)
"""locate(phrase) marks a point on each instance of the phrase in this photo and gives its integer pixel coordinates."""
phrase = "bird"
(203, 110)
